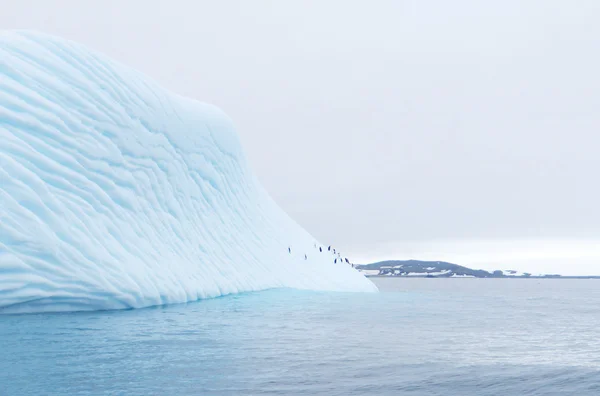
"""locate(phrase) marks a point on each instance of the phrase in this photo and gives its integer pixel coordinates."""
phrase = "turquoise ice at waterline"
(115, 193)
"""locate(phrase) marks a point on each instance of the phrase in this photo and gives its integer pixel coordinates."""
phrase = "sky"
(464, 131)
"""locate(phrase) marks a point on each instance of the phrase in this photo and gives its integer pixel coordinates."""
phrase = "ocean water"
(416, 337)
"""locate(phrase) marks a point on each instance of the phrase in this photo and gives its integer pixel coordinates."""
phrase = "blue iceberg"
(115, 193)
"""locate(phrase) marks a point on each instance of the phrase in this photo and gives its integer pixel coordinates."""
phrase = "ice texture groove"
(115, 193)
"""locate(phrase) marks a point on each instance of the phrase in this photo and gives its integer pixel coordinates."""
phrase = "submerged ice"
(115, 193)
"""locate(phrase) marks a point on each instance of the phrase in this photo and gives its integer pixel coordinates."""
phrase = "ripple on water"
(418, 336)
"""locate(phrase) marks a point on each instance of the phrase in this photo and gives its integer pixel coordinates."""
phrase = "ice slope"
(115, 193)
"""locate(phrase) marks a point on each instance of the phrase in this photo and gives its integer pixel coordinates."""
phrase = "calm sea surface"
(416, 337)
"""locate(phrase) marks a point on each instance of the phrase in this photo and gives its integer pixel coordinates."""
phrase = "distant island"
(442, 269)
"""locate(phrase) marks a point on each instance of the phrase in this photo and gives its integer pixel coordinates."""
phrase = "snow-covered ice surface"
(115, 193)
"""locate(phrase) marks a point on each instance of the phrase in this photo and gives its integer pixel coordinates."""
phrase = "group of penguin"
(335, 260)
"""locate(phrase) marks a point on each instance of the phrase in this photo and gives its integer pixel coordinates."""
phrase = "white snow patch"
(423, 274)
(369, 272)
(512, 273)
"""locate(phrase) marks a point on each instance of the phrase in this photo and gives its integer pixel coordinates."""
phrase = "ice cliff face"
(115, 193)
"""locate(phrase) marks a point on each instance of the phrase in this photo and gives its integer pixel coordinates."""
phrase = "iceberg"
(116, 193)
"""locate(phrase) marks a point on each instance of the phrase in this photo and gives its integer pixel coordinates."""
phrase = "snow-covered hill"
(416, 268)
(438, 269)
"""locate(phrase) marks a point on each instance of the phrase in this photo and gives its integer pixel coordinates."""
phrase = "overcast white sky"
(456, 130)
